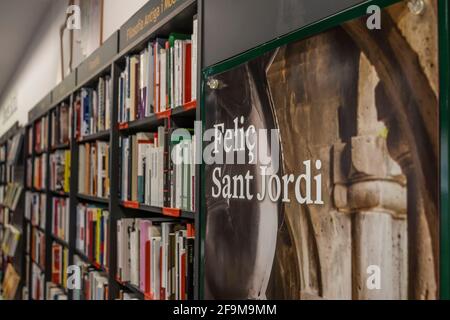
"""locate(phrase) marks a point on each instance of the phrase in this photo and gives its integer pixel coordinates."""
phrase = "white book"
(119, 249)
(127, 90)
(108, 100)
(172, 77)
(165, 231)
(100, 151)
(161, 176)
(147, 174)
(134, 254)
(162, 85)
(193, 169)
(194, 60)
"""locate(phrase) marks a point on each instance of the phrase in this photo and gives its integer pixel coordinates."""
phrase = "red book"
(187, 73)
(56, 272)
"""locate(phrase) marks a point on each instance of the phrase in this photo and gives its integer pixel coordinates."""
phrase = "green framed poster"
(326, 161)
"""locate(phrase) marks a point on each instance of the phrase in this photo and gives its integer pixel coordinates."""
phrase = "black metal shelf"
(178, 20)
(86, 259)
(36, 227)
(61, 146)
(60, 241)
(158, 212)
(92, 198)
(102, 136)
(59, 193)
(37, 190)
(40, 153)
(132, 288)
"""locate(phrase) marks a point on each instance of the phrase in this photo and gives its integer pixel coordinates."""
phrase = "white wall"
(39, 70)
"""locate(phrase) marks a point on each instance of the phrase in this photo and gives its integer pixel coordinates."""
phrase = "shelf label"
(190, 105)
(131, 204)
(164, 114)
(172, 212)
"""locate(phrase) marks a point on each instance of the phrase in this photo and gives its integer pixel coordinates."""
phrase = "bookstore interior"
(224, 150)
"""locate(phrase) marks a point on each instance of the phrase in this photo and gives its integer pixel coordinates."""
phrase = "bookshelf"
(95, 79)
(11, 205)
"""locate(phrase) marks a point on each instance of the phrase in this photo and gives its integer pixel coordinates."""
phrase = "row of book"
(61, 125)
(60, 262)
(37, 282)
(142, 167)
(182, 172)
(10, 195)
(93, 169)
(39, 172)
(160, 77)
(94, 283)
(41, 135)
(150, 178)
(61, 217)
(156, 258)
(37, 247)
(36, 208)
(92, 233)
(60, 171)
(93, 108)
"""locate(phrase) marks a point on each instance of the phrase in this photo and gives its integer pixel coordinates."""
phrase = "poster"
(322, 177)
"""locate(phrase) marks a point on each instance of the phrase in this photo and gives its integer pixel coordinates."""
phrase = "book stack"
(40, 172)
(161, 77)
(93, 109)
(37, 283)
(60, 218)
(38, 247)
(92, 233)
(156, 258)
(94, 285)
(182, 173)
(93, 169)
(143, 163)
(60, 171)
(61, 125)
(36, 208)
(41, 135)
(60, 261)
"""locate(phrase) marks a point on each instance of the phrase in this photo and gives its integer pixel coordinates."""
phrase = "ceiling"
(18, 20)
